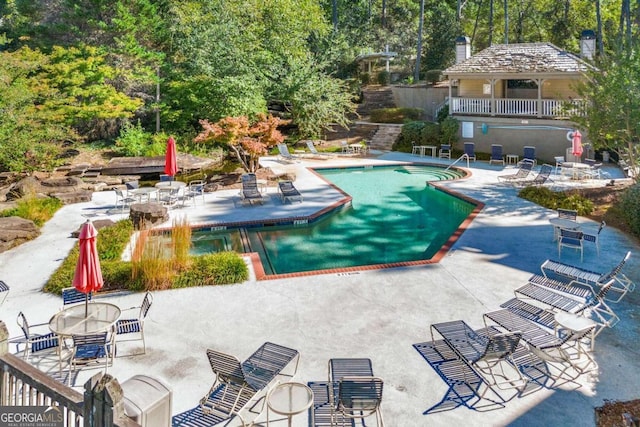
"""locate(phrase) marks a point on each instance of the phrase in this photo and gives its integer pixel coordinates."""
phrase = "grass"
(39, 210)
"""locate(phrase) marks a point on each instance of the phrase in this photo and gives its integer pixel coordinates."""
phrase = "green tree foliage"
(612, 96)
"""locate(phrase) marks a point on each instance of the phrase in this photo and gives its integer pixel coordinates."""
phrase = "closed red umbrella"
(576, 144)
(170, 158)
(88, 275)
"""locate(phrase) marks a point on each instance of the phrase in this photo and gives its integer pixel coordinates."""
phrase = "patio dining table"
(99, 317)
(575, 170)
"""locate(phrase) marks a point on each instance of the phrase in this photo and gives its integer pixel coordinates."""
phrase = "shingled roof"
(527, 58)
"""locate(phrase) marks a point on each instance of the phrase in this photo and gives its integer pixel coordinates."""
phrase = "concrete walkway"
(374, 314)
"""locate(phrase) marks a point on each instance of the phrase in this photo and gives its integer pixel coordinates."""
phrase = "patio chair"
(346, 149)
(165, 178)
(563, 214)
(285, 154)
(445, 151)
(123, 201)
(594, 237)
(312, 148)
(496, 154)
(559, 161)
(523, 172)
(168, 196)
(35, 342)
(568, 349)
(591, 305)
(135, 326)
(529, 154)
(543, 176)
(73, 296)
(288, 192)
(194, 190)
(470, 150)
(354, 392)
(96, 349)
(488, 354)
(570, 239)
(250, 192)
(4, 292)
(238, 384)
(576, 275)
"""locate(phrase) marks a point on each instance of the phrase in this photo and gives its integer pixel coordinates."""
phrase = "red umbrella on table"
(576, 144)
(170, 158)
(88, 275)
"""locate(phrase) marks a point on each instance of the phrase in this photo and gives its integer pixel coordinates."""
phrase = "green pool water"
(394, 217)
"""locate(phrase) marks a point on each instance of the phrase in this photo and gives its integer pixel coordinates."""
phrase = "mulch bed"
(611, 413)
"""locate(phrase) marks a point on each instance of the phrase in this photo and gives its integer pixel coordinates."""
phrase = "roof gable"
(521, 58)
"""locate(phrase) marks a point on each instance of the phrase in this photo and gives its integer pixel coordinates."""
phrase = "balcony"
(515, 107)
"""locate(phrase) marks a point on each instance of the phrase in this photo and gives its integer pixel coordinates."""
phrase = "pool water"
(394, 217)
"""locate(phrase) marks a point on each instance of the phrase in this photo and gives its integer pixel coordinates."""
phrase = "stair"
(384, 137)
(374, 98)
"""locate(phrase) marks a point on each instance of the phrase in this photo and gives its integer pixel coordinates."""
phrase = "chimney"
(463, 49)
(587, 44)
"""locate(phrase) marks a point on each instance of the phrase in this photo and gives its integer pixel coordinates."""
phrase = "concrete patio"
(376, 314)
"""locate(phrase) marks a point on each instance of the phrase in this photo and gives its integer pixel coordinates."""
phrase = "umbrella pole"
(86, 305)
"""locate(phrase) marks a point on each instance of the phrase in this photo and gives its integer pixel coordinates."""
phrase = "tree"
(247, 141)
(612, 96)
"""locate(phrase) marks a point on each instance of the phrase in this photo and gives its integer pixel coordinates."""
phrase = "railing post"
(4, 338)
(103, 401)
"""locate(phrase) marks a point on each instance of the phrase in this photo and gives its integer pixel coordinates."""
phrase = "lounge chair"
(238, 384)
(288, 193)
(312, 148)
(250, 192)
(570, 239)
(351, 393)
(488, 354)
(285, 154)
(576, 275)
(470, 150)
(4, 292)
(135, 325)
(591, 304)
(543, 176)
(496, 154)
(568, 349)
(523, 172)
(445, 151)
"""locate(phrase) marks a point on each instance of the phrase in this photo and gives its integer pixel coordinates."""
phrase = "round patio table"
(171, 184)
(72, 320)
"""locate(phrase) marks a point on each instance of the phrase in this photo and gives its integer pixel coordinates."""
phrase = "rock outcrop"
(15, 231)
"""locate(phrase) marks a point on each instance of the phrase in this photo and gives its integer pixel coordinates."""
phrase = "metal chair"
(35, 342)
(496, 154)
(135, 325)
(4, 292)
(73, 296)
(194, 190)
(470, 150)
(445, 151)
(96, 349)
(570, 239)
(123, 201)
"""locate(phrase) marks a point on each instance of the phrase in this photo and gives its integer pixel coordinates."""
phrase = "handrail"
(464, 156)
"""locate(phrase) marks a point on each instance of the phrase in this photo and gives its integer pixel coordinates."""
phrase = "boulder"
(144, 215)
(15, 231)
(98, 224)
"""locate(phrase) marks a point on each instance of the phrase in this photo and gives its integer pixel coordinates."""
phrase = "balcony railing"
(510, 107)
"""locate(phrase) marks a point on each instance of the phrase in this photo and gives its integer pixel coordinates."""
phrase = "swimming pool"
(394, 217)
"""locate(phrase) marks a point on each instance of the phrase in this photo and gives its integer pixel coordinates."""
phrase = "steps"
(374, 98)
(384, 137)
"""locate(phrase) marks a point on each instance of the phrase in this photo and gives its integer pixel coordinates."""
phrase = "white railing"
(549, 108)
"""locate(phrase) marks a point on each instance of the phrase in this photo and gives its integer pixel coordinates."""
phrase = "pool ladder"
(464, 156)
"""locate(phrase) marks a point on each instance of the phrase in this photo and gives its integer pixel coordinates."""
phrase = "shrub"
(630, 208)
(442, 114)
(430, 134)
(433, 76)
(213, 269)
(557, 200)
(365, 78)
(38, 210)
(409, 135)
(395, 115)
(384, 78)
(133, 140)
(449, 130)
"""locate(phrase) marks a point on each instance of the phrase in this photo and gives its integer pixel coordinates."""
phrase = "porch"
(516, 107)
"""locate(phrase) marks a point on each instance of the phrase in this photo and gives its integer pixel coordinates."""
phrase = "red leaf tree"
(247, 141)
